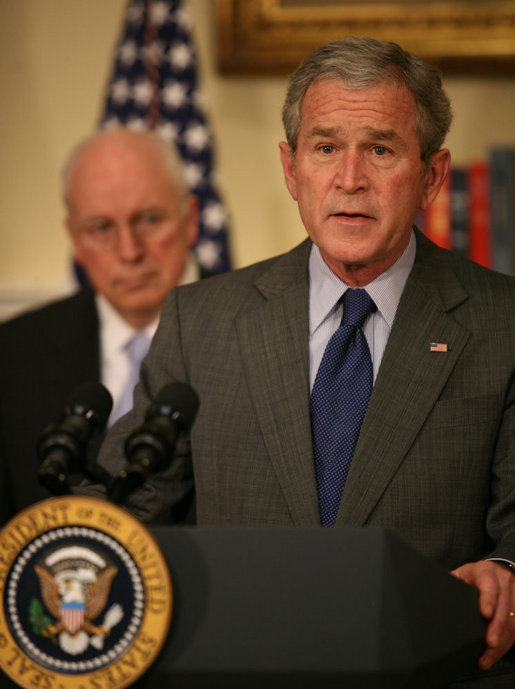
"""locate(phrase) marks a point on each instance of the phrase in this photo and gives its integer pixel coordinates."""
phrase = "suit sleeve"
(501, 515)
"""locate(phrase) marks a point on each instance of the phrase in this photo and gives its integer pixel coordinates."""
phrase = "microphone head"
(92, 400)
(177, 400)
(151, 446)
(62, 446)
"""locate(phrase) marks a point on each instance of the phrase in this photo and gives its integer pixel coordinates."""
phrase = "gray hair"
(360, 62)
(168, 152)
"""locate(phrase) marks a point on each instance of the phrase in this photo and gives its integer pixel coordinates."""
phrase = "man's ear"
(192, 219)
(439, 166)
(288, 162)
(75, 242)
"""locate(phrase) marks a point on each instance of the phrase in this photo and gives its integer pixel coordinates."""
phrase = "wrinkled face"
(357, 175)
(130, 229)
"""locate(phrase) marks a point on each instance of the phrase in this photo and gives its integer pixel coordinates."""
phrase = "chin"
(351, 257)
(142, 303)
(145, 305)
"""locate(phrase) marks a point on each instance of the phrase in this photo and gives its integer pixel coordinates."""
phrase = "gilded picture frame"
(272, 36)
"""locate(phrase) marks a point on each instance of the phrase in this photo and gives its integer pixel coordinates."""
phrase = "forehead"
(330, 103)
(113, 169)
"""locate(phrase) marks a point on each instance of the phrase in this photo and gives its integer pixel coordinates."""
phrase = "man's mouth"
(345, 214)
(135, 281)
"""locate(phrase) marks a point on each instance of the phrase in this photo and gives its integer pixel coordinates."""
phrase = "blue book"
(502, 181)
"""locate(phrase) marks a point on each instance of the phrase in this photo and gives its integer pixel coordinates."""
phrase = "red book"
(438, 217)
(479, 224)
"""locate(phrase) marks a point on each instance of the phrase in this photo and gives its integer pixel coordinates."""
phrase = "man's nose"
(351, 174)
(130, 247)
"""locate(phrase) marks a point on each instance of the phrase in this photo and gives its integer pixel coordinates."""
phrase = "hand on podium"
(496, 586)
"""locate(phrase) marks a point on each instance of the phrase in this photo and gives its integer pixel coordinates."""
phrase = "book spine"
(459, 211)
(502, 183)
(479, 226)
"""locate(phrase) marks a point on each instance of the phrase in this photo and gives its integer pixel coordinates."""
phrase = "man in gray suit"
(435, 459)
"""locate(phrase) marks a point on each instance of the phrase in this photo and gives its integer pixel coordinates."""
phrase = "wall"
(55, 59)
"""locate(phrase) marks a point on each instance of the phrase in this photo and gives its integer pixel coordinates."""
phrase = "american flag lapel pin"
(437, 347)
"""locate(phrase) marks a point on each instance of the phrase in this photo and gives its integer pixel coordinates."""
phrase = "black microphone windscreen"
(92, 396)
(182, 398)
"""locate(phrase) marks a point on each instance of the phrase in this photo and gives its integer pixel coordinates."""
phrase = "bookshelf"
(474, 212)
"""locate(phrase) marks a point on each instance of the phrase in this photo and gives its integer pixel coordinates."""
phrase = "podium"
(307, 607)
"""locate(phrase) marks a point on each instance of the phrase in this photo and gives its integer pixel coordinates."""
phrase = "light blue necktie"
(339, 401)
(137, 347)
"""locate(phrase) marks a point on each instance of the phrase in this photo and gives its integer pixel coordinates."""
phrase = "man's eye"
(147, 219)
(100, 228)
(380, 150)
(327, 149)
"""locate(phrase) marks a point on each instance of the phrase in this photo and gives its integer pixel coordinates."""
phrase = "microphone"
(62, 445)
(150, 447)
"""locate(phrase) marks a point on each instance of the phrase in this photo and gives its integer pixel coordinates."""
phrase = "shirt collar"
(191, 272)
(326, 289)
(115, 332)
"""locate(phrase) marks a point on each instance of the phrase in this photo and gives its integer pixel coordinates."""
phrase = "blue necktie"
(339, 401)
(137, 347)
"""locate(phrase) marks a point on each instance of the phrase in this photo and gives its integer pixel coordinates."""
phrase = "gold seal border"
(81, 511)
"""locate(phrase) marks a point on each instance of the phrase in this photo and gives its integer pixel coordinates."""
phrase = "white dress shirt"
(115, 334)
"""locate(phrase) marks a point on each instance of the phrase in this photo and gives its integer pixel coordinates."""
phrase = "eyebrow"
(328, 132)
(384, 134)
(372, 132)
(93, 219)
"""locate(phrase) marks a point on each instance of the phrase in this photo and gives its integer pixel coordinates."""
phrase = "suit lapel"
(409, 382)
(274, 344)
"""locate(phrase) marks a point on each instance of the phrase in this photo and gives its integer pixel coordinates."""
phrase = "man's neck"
(136, 321)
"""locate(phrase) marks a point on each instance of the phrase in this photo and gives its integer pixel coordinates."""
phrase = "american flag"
(154, 85)
(437, 347)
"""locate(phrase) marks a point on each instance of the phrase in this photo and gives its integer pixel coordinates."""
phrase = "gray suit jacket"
(435, 462)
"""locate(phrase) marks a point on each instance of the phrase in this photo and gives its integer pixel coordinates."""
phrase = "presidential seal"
(86, 596)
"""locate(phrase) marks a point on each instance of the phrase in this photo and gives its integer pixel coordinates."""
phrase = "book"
(459, 211)
(479, 225)
(502, 193)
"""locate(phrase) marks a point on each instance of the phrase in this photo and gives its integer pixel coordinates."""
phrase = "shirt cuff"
(506, 563)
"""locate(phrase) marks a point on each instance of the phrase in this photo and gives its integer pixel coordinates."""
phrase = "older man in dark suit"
(367, 376)
(132, 222)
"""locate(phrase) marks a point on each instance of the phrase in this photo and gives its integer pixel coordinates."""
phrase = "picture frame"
(272, 36)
